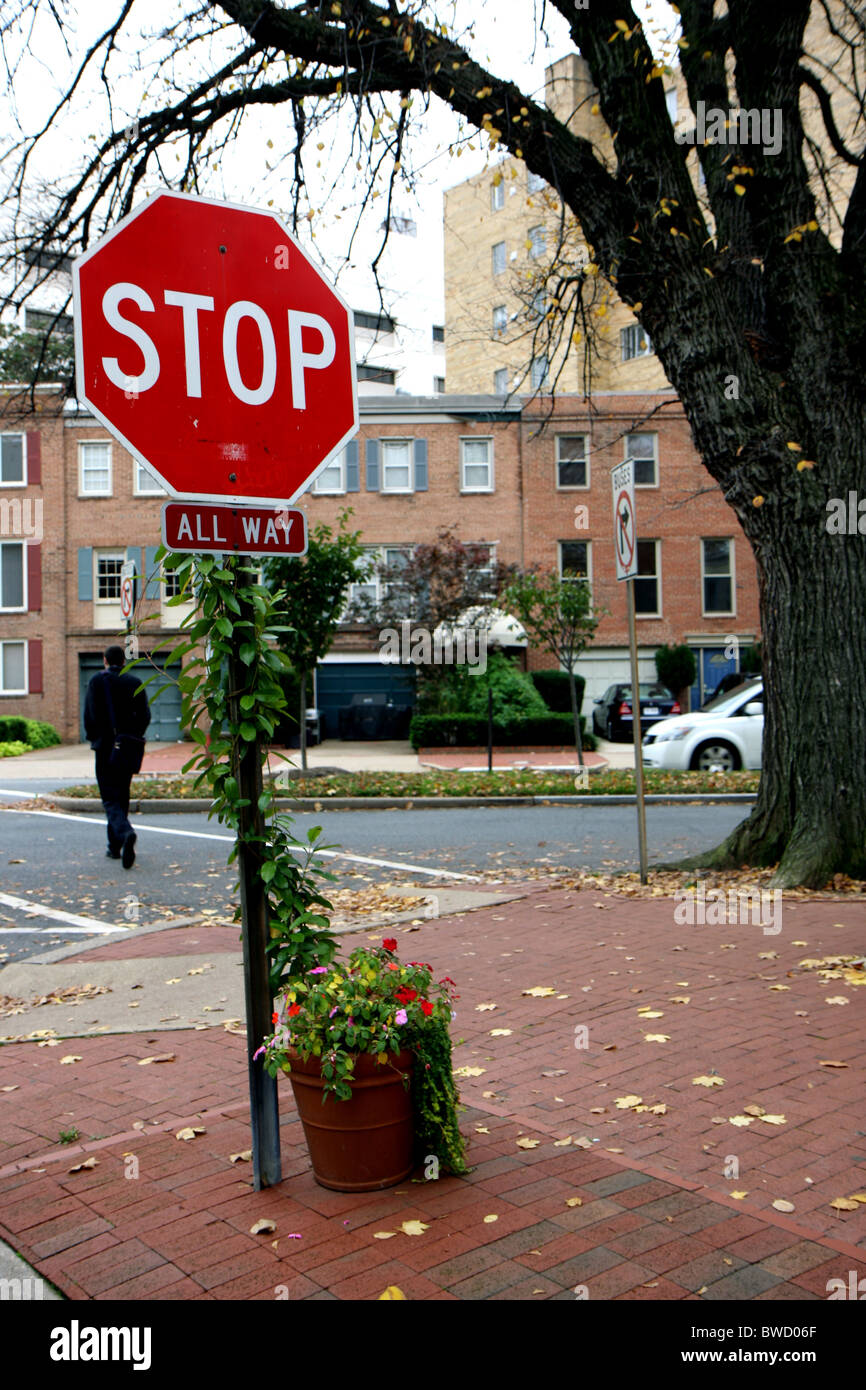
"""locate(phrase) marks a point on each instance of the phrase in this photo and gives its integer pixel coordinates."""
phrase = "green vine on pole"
(236, 624)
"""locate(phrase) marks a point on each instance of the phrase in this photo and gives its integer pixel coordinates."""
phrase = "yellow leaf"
(646, 1012)
(539, 991)
(161, 1057)
(681, 999)
(470, 1071)
(857, 1197)
(528, 1143)
(774, 1119)
(740, 1120)
(628, 1102)
(842, 1204)
(88, 1163)
(758, 501)
(658, 1110)
(832, 1064)
(383, 1235)
(739, 189)
(263, 1226)
(488, 1220)
(481, 1129)
(574, 1201)
(780, 988)
(243, 1157)
(836, 999)
(500, 1032)
(189, 1132)
(69, 1059)
(562, 1143)
(798, 448)
(781, 1205)
(805, 463)
(414, 1228)
(481, 1008)
(757, 1110)
(392, 1293)
(738, 1196)
(656, 1037)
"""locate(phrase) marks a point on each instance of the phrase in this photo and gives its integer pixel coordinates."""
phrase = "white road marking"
(7, 791)
(70, 919)
(209, 835)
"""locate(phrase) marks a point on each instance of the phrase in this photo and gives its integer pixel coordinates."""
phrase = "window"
(480, 578)
(41, 320)
(671, 103)
(396, 465)
(364, 597)
(94, 469)
(438, 333)
(144, 483)
(538, 305)
(332, 479)
(574, 559)
(717, 573)
(497, 194)
(439, 385)
(12, 460)
(12, 571)
(108, 567)
(13, 668)
(643, 450)
(500, 381)
(538, 372)
(499, 258)
(634, 342)
(380, 323)
(406, 226)
(381, 374)
(500, 318)
(534, 182)
(572, 460)
(171, 583)
(476, 465)
(535, 242)
(647, 585)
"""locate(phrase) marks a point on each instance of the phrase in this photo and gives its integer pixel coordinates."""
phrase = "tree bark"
(303, 720)
(578, 741)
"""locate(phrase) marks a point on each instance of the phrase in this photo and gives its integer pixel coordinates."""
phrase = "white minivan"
(725, 735)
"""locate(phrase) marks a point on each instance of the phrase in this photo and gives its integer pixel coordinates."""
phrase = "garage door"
(164, 724)
(337, 682)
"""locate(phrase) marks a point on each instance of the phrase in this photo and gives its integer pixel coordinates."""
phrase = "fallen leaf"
(490, 1095)
(500, 1032)
(738, 1196)
(832, 1064)
(528, 1143)
(560, 1072)
(198, 970)
(383, 1235)
(774, 1119)
(708, 1081)
(243, 1157)
(69, 1059)
(650, 1013)
(414, 1228)
(189, 1132)
(175, 981)
(88, 1163)
(9, 1088)
(539, 991)
(781, 1205)
(263, 1226)
(488, 1220)
(656, 1037)
(780, 987)
(160, 1057)
(757, 1110)
(483, 1008)
(574, 1201)
(857, 1197)
(842, 1204)
(740, 1120)
(836, 999)
(481, 1129)
(392, 1293)
(562, 1143)
(470, 1071)
(680, 999)
(627, 1102)
(598, 1110)
(658, 1109)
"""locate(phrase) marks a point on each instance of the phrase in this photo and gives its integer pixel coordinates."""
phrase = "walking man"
(116, 714)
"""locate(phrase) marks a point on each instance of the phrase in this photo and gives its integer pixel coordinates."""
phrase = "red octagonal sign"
(214, 350)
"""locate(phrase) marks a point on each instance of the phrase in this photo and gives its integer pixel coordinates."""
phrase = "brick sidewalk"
(656, 1218)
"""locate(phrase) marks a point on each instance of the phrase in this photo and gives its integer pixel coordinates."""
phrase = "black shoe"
(112, 854)
(128, 855)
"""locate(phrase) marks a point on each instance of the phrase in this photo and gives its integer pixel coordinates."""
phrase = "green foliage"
(13, 748)
(470, 731)
(28, 357)
(552, 686)
(376, 1005)
(312, 591)
(13, 727)
(514, 695)
(676, 667)
(752, 660)
(69, 1136)
(41, 735)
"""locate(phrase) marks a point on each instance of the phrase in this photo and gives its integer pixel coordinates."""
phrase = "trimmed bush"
(468, 731)
(41, 735)
(12, 748)
(552, 686)
(13, 728)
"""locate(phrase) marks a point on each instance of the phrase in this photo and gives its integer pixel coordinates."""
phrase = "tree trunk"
(303, 718)
(578, 741)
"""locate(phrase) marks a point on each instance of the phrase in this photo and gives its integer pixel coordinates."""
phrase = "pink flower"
(401, 1016)
(333, 1011)
(318, 970)
(258, 1054)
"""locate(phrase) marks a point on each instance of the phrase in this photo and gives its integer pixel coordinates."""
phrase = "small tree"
(676, 668)
(558, 615)
(314, 591)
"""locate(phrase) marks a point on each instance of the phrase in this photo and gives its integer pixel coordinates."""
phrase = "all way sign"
(202, 526)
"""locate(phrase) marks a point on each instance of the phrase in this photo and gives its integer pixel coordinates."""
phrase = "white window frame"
(138, 473)
(499, 372)
(579, 579)
(22, 608)
(500, 319)
(573, 487)
(718, 612)
(537, 236)
(633, 332)
(657, 576)
(653, 434)
(487, 439)
(338, 462)
(543, 376)
(497, 195)
(384, 446)
(499, 270)
(84, 444)
(17, 434)
(487, 596)
(16, 642)
(107, 554)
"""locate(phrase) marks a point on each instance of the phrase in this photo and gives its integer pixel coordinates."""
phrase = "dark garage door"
(337, 682)
(164, 724)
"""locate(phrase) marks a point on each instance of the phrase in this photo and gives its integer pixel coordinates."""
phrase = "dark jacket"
(131, 709)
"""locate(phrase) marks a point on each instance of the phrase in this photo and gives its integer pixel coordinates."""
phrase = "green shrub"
(514, 695)
(13, 727)
(41, 735)
(11, 748)
(552, 686)
(470, 731)
(676, 668)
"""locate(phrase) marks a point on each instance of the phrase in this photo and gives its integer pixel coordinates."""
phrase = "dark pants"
(114, 790)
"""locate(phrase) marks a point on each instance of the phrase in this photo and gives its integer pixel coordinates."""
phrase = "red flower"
(426, 1007)
(405, 995)
(275, 1018)
(421, 963)
(391, 966)
(390, 943)
(295, 1009)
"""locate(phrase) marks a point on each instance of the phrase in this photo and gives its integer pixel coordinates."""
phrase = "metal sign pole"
(635, 719)
(264, 1107)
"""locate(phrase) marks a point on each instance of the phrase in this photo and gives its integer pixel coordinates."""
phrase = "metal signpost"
(625, 547)
(214, 349)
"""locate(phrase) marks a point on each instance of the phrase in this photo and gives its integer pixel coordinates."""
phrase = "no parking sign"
(624, 525)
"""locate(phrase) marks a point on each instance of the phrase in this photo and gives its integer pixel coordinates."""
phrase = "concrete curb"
(89, 805)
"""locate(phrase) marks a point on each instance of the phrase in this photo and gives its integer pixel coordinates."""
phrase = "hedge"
(552, 686)
(11, 748)
(15, 728)
(467, 731)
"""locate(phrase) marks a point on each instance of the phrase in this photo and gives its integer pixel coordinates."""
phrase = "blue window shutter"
(353, 468)
(85, 573)
(372, 465)
(420, 465)
(151, 572)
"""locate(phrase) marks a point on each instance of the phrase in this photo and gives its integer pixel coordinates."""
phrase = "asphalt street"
(56, 861)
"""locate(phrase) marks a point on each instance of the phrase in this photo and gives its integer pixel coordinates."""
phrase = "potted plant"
(367, 1048)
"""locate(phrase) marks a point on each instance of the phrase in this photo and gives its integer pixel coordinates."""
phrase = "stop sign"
(213, 348)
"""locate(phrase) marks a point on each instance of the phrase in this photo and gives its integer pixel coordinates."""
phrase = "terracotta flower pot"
(366, 1142)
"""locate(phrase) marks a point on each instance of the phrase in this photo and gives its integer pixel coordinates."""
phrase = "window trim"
(585, 579)
(634, 356)
(501, 328)
(23, 608)
(543, 383)
(627, 457)
(656, 541)
(539, 242)
(504, 267)
(497, 194)
(137, 469)
(409, 443)
(340, 462)
(106, 554)
(476, 439)
(572, 487)
(496, 390)
(22, 434)
(16, 642)
(719, 613)
(81, 489)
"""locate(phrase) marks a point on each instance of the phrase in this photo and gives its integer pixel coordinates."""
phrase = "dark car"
(612, 716)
